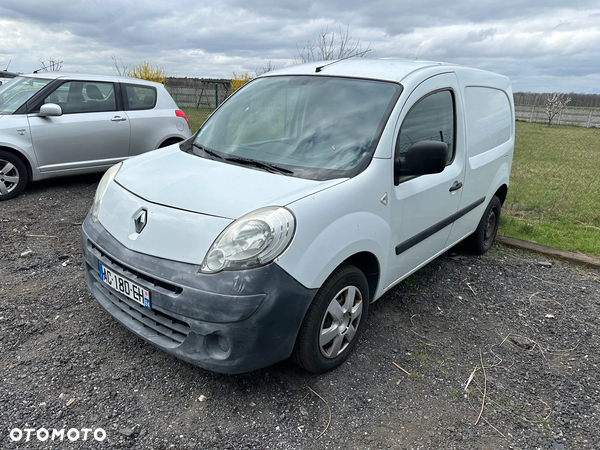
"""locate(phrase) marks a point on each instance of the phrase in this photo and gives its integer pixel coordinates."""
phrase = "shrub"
(145, 71)
(238, 82)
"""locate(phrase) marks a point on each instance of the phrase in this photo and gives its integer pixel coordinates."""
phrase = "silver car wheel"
(340, 322)
(9, 177)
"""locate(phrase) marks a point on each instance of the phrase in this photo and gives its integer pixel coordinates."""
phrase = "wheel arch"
(501, 193)
(368, 264)
(170, 141)
(22, 157)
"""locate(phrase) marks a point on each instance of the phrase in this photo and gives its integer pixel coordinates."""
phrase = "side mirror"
(50, 110)
(422, 158)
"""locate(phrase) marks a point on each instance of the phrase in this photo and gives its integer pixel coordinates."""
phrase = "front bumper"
(228, 322)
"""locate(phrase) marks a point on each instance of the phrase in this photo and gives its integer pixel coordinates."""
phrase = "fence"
(198, 92)
(581, 117)
(540, 99)
(206, 94)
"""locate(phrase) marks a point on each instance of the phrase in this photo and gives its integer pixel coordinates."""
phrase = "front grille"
(134, 274)
(170, 331)
(160, 327)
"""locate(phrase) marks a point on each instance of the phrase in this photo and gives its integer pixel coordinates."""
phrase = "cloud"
(545, 41)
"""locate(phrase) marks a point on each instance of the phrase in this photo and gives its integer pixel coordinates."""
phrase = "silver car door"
(91, 132)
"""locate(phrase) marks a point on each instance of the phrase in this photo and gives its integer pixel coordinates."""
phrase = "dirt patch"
(533, 322)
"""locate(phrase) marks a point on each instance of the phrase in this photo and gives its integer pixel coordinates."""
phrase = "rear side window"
(489, 119)
(139, 97)
(430, 119)
(83, 97)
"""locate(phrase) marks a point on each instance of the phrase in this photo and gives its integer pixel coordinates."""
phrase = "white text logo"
(43, 434)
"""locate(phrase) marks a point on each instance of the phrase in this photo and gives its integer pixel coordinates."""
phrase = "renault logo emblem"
(140, 220)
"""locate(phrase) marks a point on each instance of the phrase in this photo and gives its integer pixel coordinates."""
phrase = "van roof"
(388, 69)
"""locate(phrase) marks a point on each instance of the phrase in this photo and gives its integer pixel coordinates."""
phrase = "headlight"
(102, 187)
(253, 240)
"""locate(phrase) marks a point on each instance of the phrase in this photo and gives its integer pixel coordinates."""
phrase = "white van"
(306, 196)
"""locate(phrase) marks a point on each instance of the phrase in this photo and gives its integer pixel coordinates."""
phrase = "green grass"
(197, 116)
(554, 196)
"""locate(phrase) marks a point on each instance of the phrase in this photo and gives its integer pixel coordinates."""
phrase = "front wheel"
(334, 320)
(13, 175)
(483, 238)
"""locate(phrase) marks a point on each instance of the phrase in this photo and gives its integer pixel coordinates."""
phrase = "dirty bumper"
(229, 322)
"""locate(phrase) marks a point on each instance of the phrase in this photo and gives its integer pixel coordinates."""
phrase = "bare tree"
(121, 70)
(417, 55)
(269, 66)
(555, 104)
(50, 65)
(330, 46)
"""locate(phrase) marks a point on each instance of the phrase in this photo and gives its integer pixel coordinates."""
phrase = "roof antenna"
(359, 55)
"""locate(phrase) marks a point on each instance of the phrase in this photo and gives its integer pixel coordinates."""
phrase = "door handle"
(455, 186)
(118, 119)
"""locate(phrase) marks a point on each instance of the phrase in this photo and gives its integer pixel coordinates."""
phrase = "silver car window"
(83, 96)
(16, 92)
(139, 97)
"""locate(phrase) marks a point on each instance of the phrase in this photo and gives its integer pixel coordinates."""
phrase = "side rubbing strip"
(437, 227)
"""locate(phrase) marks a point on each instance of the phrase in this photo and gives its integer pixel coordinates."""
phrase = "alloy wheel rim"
(9, 177)
(340, 322)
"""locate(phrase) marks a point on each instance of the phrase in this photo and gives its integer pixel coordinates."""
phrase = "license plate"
(124, 286)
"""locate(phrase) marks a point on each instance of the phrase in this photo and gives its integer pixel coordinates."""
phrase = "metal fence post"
(531, 117)
(216, 95)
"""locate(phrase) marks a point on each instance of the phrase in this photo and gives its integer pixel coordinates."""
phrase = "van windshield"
(314, 127)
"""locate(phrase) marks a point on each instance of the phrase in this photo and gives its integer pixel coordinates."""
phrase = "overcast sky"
(542, 45)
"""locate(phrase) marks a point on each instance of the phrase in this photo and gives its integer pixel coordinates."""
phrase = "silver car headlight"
(253, 240)
(102, 187)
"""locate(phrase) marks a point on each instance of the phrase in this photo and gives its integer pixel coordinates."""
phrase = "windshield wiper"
(259, 164)
(244, 161)
(214, 155)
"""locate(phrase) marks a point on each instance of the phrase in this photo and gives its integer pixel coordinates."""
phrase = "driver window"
(432, 119)
(83, 96)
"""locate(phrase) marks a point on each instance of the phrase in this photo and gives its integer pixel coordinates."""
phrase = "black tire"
(346, 287)
(485, 234)
(13, 175)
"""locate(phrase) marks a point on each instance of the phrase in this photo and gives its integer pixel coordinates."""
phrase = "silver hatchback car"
(56, 124)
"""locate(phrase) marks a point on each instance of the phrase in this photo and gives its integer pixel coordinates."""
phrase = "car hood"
(177, 179)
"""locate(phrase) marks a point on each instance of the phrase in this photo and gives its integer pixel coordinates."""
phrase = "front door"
(424, 207)
(91, 132)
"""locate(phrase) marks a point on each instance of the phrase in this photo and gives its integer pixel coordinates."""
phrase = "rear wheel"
(334, 320)
(485, 234)
(13, 175)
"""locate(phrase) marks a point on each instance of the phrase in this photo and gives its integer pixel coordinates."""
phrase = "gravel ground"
(415, 380)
